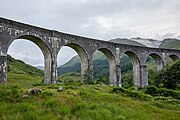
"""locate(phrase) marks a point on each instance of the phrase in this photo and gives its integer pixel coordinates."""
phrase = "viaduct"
(50, 42)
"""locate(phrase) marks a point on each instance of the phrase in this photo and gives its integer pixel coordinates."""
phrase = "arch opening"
(130, 69)
(154, 64)
(38, 51)
(104, 66)
(173, 57)
(158, 60)
(72, 60)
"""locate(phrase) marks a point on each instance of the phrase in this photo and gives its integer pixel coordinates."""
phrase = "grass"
(23, 80)
(76, 101)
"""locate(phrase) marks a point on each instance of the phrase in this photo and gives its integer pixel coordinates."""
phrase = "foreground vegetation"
(82, 102)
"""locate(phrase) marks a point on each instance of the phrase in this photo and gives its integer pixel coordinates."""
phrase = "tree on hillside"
(169, 77)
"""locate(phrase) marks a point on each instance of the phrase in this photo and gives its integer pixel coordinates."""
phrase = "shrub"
(151, 90)
(168, 93)
(103, 79)
(88, 79)
(131, 93)
(169, 76)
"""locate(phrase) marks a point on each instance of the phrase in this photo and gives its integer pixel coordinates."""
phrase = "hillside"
(170, 43)
(97, 56)
(22, 73)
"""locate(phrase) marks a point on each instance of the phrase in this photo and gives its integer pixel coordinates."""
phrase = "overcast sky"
(102, 19)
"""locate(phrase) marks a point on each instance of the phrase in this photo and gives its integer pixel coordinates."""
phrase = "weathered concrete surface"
(50, 42)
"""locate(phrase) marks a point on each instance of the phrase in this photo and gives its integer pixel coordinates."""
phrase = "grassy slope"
(170, 43)
(83, 102)
(21, 73)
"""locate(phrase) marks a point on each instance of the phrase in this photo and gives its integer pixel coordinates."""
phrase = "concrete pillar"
(86, 67)
(3, 69)
(54, 69)
(144, 75)
(136, 75)
(118, 68)
(118, 74)
(47, 69)
(112, 73)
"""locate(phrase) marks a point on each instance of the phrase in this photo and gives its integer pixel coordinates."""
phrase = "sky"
(101, 19)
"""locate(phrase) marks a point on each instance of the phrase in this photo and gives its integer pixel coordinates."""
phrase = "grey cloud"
(102, 19)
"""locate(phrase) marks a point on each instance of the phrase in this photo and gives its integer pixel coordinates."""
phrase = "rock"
(25, 96)
(60, 89)
(34, 91)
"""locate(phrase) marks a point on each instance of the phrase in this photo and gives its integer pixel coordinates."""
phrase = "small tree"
(88, 78)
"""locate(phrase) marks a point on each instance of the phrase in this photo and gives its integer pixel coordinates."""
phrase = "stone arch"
(173, 57)
(158, 60)
(136, 67)
(81, 51)
(112, 65)
(45, 49)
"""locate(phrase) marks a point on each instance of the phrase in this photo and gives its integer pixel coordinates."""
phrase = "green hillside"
(76, 59)
(22, 73)
(170, 43)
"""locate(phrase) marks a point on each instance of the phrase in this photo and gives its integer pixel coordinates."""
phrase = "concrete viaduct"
(50, 42)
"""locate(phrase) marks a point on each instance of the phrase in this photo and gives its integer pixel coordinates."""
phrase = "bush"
(103, 79)
(88, 79)
(154, 91)
(131, 93)
(151, 90)
(168, 93)
(169, 77)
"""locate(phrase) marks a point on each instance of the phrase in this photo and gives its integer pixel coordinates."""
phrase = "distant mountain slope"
(76, 59)
(126, 41)
(170, 43)
(40, 67)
